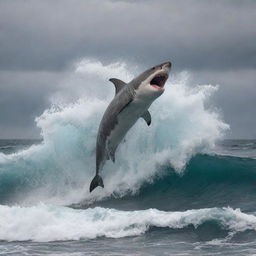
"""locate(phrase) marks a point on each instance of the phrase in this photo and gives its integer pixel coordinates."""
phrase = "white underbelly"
(126, 119)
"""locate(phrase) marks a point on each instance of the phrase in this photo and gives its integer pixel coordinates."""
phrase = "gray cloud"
(40, 40)
(235, 99)
(47, 35)
(23, 96)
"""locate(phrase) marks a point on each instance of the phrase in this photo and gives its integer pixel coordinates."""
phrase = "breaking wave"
(59, 170)
(57, 223)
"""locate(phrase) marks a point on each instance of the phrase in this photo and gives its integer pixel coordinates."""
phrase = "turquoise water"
(176, 187)
(208, 209)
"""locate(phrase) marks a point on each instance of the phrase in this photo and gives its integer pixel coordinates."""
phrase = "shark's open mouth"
(159, 81)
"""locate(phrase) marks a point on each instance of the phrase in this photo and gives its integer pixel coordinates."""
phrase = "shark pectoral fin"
(112, 156)
(112, 152)
(119, 84)
(147, 117)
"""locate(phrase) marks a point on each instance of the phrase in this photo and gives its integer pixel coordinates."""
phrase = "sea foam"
(44, 223)
(60, 169)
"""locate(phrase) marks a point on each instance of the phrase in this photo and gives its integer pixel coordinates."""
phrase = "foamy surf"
(59, 170)
(44, 223)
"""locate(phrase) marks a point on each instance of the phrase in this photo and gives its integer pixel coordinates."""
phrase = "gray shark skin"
(131, 102)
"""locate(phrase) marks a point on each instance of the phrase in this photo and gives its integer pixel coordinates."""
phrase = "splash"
(55, 223)
(60, 169)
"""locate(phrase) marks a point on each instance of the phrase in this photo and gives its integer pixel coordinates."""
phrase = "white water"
(59, 170)
(44, 223)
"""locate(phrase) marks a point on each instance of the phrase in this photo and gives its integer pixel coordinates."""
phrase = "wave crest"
(50, 223)
(60, 169)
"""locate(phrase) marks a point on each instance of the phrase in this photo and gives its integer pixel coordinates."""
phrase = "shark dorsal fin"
(119, 84)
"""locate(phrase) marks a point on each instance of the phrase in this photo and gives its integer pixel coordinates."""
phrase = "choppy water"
(176, 188)
(208, 210)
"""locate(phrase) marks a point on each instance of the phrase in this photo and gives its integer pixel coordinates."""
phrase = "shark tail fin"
(97, 181)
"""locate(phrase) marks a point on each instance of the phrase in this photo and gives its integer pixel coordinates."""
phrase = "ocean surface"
(208, 210)
(176, 188)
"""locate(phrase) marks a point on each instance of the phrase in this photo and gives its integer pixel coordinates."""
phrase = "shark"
(130, 103)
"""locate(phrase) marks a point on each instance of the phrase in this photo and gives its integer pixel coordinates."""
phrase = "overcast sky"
(41, 40)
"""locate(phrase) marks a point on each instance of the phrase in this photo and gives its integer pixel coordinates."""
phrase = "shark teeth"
(159, 81)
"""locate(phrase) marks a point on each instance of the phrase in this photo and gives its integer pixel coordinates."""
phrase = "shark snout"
(166, 65)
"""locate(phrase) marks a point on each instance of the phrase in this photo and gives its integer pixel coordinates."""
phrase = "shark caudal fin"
(97, 181)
